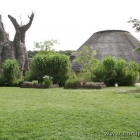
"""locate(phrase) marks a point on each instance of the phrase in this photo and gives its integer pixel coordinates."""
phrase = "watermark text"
(125, 134)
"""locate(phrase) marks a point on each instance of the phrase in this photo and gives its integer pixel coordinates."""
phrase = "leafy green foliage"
(45, 47)
(31, 54)
(3, 82)
(112, 71)
(10, 70)
(18, 82)
(86, 58)
(56, 66)
(84, 75)
(109, 72)
(132, 73)
(30, 75)
(35, 82)
(136, 25)
(66, 52)
(72, 80)
(120, 69)
(47, 80)
(97, 74)
(136, 49)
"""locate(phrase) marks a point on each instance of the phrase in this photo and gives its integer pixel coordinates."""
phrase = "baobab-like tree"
(15, 49)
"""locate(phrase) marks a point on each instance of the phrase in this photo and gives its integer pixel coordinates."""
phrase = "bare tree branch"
(20, 28)
(27, 26)
(15, 23)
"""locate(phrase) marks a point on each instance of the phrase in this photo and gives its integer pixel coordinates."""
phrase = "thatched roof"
(117, 43)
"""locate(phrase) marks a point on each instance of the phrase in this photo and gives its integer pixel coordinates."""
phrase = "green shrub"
(55, 65)
(35, 82)
(132, 73)
(47, 80)
(84, 75)
(3, 82)
(18, 82)
(72, 82)
(98, 72)
(30, 75)
(10, 70)
(86, 58)
(111, 71)
(120, 69)
(105, 71)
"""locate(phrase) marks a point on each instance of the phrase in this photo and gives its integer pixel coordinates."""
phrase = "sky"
(71, 22)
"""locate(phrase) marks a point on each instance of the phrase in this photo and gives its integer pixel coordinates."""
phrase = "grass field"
(61, 114)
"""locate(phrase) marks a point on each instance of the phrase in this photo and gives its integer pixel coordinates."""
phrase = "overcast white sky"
(71, 22)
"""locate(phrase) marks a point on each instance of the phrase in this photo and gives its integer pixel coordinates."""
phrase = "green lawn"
(62, 114)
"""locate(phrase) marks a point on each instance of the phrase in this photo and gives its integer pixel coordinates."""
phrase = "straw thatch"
(117, 43)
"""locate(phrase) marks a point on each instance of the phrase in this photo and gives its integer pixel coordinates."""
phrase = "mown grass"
(61, 114)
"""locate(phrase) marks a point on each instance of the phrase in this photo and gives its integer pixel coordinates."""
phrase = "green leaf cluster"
(45, 47)
(136, 26)
(72, 79)
(111, 71)
(56, 66)
(35, 82)
(47, 82)
(10, 70)
(86, 58)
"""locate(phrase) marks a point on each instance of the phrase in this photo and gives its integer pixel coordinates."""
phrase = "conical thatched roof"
(117, 43)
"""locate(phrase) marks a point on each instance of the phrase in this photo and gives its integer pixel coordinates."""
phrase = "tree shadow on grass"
(133, 91)
(136, 92)
(137, 96)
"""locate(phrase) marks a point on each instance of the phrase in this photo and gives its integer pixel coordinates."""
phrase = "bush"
(112, 71)
(98, 73)
(54, 65)
(120, 69)
(109, 71)
(30, 75)
(35, 82)
(18, 82)
(131, 73)
(105, 71)
(47, 80)
(72, 80)
(10, 70)
(3, 82)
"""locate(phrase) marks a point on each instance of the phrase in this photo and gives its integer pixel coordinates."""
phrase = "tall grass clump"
(10, 71)
(54, 65)
(111, 71)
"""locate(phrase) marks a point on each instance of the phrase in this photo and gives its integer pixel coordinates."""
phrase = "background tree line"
(31, 54)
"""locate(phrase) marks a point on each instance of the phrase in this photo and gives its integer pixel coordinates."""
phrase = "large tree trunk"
(15, 49)
(3, 35)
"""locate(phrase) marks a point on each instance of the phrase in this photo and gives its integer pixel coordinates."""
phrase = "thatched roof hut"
(117, 43)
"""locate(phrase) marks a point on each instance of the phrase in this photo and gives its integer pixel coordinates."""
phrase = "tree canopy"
(136, 26)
